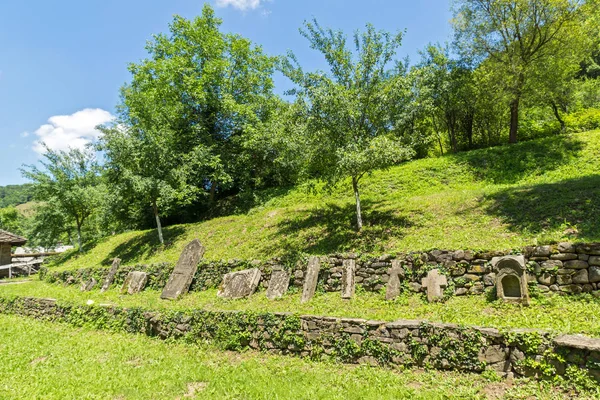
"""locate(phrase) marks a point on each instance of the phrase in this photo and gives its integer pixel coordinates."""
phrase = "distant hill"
(13, 195)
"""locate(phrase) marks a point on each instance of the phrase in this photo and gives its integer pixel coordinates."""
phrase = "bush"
(585, 120)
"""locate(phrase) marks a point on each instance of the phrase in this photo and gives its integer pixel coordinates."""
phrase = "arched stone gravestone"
(511, 280)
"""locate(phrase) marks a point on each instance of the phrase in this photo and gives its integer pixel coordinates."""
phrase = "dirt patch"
(39, 360)
(193, 389)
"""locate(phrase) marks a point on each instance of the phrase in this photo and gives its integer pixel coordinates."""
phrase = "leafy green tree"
(350, 112)
(70, 183)
(11, 220)
(142, 168)
(210, 91)
(516, 37)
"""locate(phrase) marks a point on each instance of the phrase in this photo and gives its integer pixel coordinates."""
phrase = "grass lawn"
(498, 198)
(560, 314)
(54, 361)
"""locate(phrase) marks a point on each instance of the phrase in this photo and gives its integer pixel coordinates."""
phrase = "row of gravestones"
(511, 282)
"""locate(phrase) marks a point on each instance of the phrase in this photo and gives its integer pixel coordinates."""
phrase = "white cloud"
(24, 134)
(71, 131)
(240, 4)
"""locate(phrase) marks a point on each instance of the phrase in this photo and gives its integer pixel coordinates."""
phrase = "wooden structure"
(7, 241)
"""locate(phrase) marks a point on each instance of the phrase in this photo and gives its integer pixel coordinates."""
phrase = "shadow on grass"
(332, 228)
(571, 207)
(144, 245)
(243, 202)
(509, 164)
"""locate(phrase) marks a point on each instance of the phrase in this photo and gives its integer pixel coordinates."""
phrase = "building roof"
(11, 238)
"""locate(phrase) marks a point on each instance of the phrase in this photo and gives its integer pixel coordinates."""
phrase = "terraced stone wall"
(564, 268)
(400, 343)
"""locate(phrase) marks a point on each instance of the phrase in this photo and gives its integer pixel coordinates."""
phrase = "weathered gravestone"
(111, 275)
(89, 285)
(240, 284)
(348, 287)
(279, 283)
(311, 279)
(135, 282)
(435, 284)
(393, 286)
(511, 282)
(180, 280)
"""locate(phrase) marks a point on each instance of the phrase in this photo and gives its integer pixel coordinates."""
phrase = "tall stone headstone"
(511, 279)
(111, 275)
(279, 283)
(435, 284)
(135, 282)
(89, 285)
(348, 287)
(311, 278)
(393, 286)
(240, 284)
(181, 279)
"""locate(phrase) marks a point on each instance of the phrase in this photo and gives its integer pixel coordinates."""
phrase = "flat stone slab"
(279, 283)
(240, 284)
(111, 275)
(348, 286)
(578, 341)
(135, 282)
(89, 285)
(311, 278)
(181, 279)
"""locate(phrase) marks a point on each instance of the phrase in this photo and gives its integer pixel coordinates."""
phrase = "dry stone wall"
(401, 343)
(564, 268)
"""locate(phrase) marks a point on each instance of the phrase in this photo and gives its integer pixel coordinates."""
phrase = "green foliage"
(13, 195)
(504, 197)
(61, 362)
(187, 120)
(584, 120)
(560, 314)
(70, 190)
(350, 112)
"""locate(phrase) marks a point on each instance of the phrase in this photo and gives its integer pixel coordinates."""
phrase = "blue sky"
(62, 62)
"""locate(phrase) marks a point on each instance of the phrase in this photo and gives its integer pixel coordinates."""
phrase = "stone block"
(551, 264)
(576, 264)
(135, 282)
(311, 279)
(239, 284)
(581, 277)
(566, 247)
(564, 256)
(594, 260)
(348, 286)
(181, 279)
(594, 274)
(546, 279)
(278, 284)
(111, 275)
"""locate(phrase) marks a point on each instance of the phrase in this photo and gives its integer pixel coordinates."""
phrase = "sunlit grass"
(499, 198)
(54, 361)
(560, 314)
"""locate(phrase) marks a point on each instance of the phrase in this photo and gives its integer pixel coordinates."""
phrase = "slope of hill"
(499, 198)
(13, 195)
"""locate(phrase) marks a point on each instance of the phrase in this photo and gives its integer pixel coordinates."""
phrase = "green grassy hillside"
(499, 198)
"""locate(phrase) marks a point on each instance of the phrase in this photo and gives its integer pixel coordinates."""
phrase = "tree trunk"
(213, 189)
(79, 236)
(158, 225)
(514, 119)
(563, 127)
(514, 110)
(359, 222)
